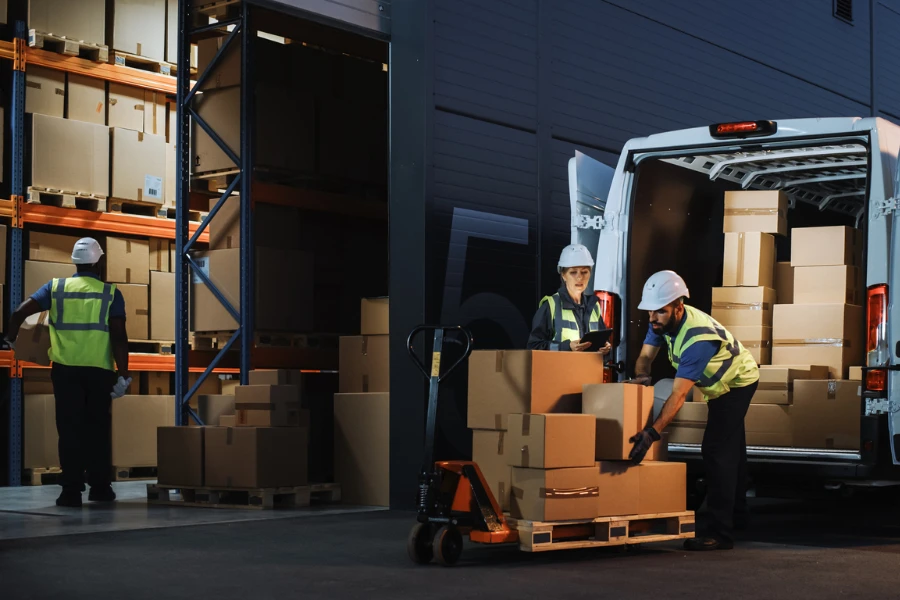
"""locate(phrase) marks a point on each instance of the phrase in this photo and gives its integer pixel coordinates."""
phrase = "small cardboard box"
(41, 442)
(752, 211)
(180, 456)
(125, 105)
(826, 414)
(551, 441)
(818, 334)
(747, 306)
(269, 406)
(621, 410)
(619, 485)
(758, 340)
(51, 247)
(856, 374)
(138, 166)
(162, 306)
(689, 424)
(362, 448)
(768, 425)
(87, 99)
(749, 260)
(826, 246)
(228, 421)
(137, 27)
(364, 364)
(134, 423)
(663, 487)
(212, 407)
(256, 457)
(489, 453)
(127, 261)
(784, 283)
(546, 494)
(827, 285)
(83, 167)
(33, 341)
(83, 20)
(45, 91)
(137, 310)
(375, 318)
(276, 377)
(776, 383)
(159, 255)
(37, 273)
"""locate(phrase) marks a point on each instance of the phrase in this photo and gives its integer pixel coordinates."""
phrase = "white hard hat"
(575, 255)
(663, 288)
(87, 251)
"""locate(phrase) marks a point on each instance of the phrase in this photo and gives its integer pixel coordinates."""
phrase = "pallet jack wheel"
(419, 543)
(447, 545)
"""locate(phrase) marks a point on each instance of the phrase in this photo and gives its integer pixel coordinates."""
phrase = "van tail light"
(607, 302)
(876, 337)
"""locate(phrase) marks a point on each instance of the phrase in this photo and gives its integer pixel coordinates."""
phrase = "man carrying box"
(87, 333)
(705, 354)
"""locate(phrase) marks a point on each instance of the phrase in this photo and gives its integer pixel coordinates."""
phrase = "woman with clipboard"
(570, 320)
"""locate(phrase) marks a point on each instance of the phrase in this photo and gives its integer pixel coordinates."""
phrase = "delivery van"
(664, 207)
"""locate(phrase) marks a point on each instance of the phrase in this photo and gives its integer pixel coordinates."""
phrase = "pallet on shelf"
(65, 199)
(252, 498)
(151, 347)
(42, 476)
(169, 212)
(134, 207)
(63, 45)
(218, 180)
(214, 340)
(133, 473)
(134, 61)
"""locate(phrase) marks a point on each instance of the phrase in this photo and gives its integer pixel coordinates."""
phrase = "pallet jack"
(453, 498)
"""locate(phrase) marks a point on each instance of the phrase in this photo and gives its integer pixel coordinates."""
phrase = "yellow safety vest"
(565, 327)
(79, 322)
(732, 367)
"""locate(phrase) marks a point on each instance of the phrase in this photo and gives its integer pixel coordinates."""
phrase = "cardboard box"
(228, 421)
(212, 407)
(33, 341)
(87, 99)
(41, 442)
(827, 285)
(172, 179)
(276, 377)
(137, 310)
(375, 317)
(743, 306)
(826, 246)
(621, 410)
(551, 441)
(546, 494)
(138, 166)
(51, 247)
(83, 20)
(228, 70)
(256, 457)
(362, 448)
(220, 109)
(211, 386)
(619, 487)
(134, 423)
(749, 260)
(229, 385)
(172, 31)
(856, 374)
(157, 383)
(663, 487)
(275, 226)
(38, 273)
(127, 261)
(659, 451)
(776, 383)
(155, 113)
(2, 246)
(172, 261)
(162, 306)
(768, 425)
(180, 455)
(83, 167)
(489, 453)
(502, 382)
(751, 211)
(269, 406)
(784, 283)
(45, 91)
(159, 255)
(826, 414)
(36, 381)
(125, 105)
(758, 340)
(364, 364)
(818, 334)
(689, 424)
(138, 27)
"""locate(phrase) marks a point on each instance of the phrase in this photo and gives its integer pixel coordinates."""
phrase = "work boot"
(707, 543)
(102, 494)
(70, 498)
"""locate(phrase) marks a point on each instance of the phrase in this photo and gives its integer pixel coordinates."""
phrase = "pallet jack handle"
(439, 331)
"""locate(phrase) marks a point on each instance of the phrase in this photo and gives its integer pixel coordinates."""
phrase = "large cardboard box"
(362, 448)
(137, 310)
(275, 225)
(127, 261)
(162, 306)
(784, 283)
(171, 177)
(663, 487)
(269, 406)
(134, 423)
(83, 167)
(41, 441)
(228, 70)
(172, 31)
(826, 414)
(155, 114)
(619, 486)
(837, 284)
(84, 20)
(375, 316)
(826, 246)
(156, 383)
(33, 341)
(489, 452)
(51, 247)
(256, 457)
(45, 91)
(621, 410)
(211, 408)
(38, 273)
(746, 306)
(551, 441)
(276, 377)
(87, 99)
(768, 425)
(546, 494)
(220, 109)
(364, 364)
(211, 386)
(758, 340)
(818, 334)
(776, 383)
(749, 260)
(138, 27)
(159, 255)
(180, 456)
(36, 381)
(125, 106)
(502, 382)
(138, 166)
(689, 424)
(751, 211)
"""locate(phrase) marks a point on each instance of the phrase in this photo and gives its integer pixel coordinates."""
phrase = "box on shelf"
(768, 425)
(758, 340)
(172, 31)
(826, 246)
(619, 486)
(784, 283)
(41, 442)
(275, 225)
(269, 406)
(212, 407)
(489, 453)
(87, 99)
(747, 306)
(818, 334)
(45, 91)
(180, 456)
(364, 364)
(36, 381)
(33, 341)
(689, 424)
(159, 255)
(620, 410)
(38, 273)
(362, 448)
(84, 165)
(276, 377)
(155, 113)
(171, 197)
(826, 414)
(138, 27)
(663, 487)
(138, 166)
(211, 386)
(127, 260)
(3, 232)
(228, 421)
(137, 310)
(162, 306)
(134, 423)
(827, 285)
(51, 247)
(125, 105)
(156, 383)
(551, 441)
(752, 211)
(375, 317)
(229, 385)
(749, 260)
(83, 20)
(228, 71)
(856, 374)
(776, 383)
(255, 457)
(545, 494)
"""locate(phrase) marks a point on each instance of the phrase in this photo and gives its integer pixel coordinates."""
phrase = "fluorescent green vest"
(79, 322)
(565, 327)
(732, 367)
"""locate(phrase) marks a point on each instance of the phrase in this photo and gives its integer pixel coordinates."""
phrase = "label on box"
(153, 187)
(203, 265)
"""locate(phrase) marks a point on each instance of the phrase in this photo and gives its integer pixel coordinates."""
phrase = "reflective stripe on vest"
(79, 322)
(565, 326)
(732, 366)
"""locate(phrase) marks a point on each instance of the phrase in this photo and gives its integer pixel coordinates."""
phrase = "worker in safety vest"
(89, 354)
(705, 355)
(564, 318)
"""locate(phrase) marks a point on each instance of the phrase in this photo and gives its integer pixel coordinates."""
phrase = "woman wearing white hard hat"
(563, 319)
(705, 355)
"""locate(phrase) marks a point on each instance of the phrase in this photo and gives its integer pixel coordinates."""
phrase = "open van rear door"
(589, 184)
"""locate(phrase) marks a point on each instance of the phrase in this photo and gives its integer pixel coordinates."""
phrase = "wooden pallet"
(40, 476)
(151, 347)
(125, 59)
(63, 45)
(133, 473)
(218, 180)
(537, 536)
(251, 498)
(214, 340)
(65, 199)
(132, 207)
(169, 212)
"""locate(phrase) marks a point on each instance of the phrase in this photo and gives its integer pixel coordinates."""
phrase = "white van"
(662, 208)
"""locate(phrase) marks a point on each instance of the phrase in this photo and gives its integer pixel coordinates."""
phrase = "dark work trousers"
(83, 421)
(725, 459)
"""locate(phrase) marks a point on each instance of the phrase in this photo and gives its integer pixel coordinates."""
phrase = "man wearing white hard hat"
(563, 319)
(705, 355)
(89, 354)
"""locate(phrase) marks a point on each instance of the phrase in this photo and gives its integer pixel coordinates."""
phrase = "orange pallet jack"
(453, 499)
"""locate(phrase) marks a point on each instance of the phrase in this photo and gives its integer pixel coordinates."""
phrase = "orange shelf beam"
(116, 73)
(7, 208)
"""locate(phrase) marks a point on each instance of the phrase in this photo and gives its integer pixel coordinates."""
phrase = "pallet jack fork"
(453, 499)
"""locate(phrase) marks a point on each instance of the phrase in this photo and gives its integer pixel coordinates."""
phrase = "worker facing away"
(705, 355)
(564, 318)
(89, 354)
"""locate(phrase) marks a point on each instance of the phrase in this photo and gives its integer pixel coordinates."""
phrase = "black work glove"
(640, 380)
(642, 442)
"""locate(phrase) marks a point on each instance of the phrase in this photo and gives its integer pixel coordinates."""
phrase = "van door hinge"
(585, 222)
(885, 207)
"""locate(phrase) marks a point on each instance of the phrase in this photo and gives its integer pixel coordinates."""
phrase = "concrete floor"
(796, 550)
